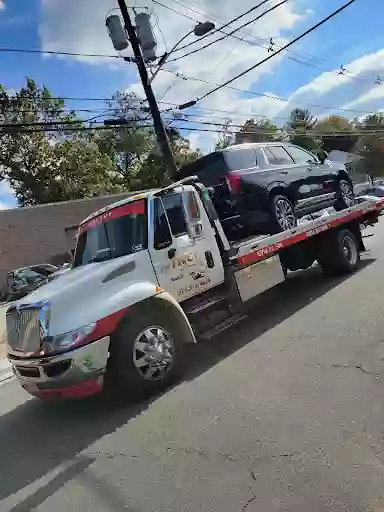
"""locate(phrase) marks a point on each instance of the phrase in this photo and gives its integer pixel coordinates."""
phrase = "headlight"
(69, 340)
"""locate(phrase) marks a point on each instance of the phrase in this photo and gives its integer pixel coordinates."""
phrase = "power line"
(51, 52)
(224, 26)
(230, 33)
(259, 94)
(314, 27)
(216, 17)
(372, 132)
(198, 21)
(309, 59)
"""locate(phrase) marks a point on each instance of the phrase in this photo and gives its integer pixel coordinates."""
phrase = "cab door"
(183, 249)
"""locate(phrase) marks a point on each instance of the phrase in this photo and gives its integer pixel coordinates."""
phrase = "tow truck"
(153, 273)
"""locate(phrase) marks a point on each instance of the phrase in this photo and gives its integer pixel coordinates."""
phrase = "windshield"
(112, 234)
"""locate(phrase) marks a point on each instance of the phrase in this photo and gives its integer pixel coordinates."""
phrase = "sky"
(305, 76)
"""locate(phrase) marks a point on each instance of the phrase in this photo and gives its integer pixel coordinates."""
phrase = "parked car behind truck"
(266, 187)
(24, 280)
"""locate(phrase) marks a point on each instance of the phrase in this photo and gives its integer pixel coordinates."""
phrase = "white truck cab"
(148, 273)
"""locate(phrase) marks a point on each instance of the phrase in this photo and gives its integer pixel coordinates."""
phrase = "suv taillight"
(234, 182)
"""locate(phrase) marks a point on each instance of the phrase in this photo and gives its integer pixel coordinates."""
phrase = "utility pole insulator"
(117, 33)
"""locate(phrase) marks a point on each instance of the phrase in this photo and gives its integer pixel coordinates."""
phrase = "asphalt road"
(283, 413)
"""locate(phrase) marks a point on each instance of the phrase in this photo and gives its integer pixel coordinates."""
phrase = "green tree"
(300, 122)
(331, 131)
(45, 166)
(223, 141)
(256, 131)
(371, 144)
(153, 172)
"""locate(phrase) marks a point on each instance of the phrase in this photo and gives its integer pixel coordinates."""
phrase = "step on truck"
(152, 273)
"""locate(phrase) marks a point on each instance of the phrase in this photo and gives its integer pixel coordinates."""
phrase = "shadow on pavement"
(36, 437)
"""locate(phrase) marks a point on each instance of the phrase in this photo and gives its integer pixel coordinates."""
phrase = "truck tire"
(340, 253)
(146, 356)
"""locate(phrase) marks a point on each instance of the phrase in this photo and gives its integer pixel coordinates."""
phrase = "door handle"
(309, 169)
(284, 172)
(171, 253)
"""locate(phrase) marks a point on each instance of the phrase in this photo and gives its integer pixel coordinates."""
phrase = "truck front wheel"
(145, 356)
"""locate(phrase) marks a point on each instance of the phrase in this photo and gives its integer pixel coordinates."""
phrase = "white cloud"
(80, 27)
(376, 93)
(355, 90)
(2, 5)
(4, 206)
(5, 188)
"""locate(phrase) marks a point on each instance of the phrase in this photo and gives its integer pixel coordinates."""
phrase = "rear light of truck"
(234, 182)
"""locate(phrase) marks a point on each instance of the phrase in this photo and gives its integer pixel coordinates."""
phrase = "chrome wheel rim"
(153, 353)
(285, 215)
(349, 250)
(347, 193)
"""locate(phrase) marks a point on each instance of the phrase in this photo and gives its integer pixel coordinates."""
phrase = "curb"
(6, 373)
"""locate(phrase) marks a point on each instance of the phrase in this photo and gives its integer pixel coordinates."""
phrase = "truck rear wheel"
(340, 253)
(146, 356)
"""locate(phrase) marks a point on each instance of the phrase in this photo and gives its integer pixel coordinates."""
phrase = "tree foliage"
(45, 166)
(371, 145)
(335, 125)
(256, 131)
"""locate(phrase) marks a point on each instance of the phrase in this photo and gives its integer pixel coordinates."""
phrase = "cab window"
(173, 205)
(162, 232)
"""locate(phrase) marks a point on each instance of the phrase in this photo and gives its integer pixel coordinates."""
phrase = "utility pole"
(161, 133)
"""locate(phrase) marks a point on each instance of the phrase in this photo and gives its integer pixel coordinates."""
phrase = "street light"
(201, 29)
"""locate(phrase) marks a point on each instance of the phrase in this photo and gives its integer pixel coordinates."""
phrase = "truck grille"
(23, 329)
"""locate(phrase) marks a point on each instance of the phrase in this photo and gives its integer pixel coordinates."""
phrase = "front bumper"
(74, 374)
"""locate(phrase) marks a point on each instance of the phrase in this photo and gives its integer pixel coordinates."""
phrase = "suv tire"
(346, 195)
(283, 213)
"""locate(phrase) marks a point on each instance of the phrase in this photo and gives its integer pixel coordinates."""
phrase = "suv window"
(173, 205)
(276, 155)
(209, 168)
(300, 156)
(238, 159)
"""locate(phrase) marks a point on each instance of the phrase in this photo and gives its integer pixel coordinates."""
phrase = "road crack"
(358, 366)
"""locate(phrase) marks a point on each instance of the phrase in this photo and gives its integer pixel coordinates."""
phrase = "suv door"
(292, 174)
(321, 178)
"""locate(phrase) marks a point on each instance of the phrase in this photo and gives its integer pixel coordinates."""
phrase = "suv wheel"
(346, 195)
(283, 213)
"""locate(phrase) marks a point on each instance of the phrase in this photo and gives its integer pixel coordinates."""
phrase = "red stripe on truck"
(133, 208)
(269, 250)
(105, 326)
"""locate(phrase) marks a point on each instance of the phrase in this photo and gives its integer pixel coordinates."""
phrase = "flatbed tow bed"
(261, 248)
(124, 320)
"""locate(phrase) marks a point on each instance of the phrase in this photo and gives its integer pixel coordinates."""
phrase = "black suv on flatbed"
(266, 187)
